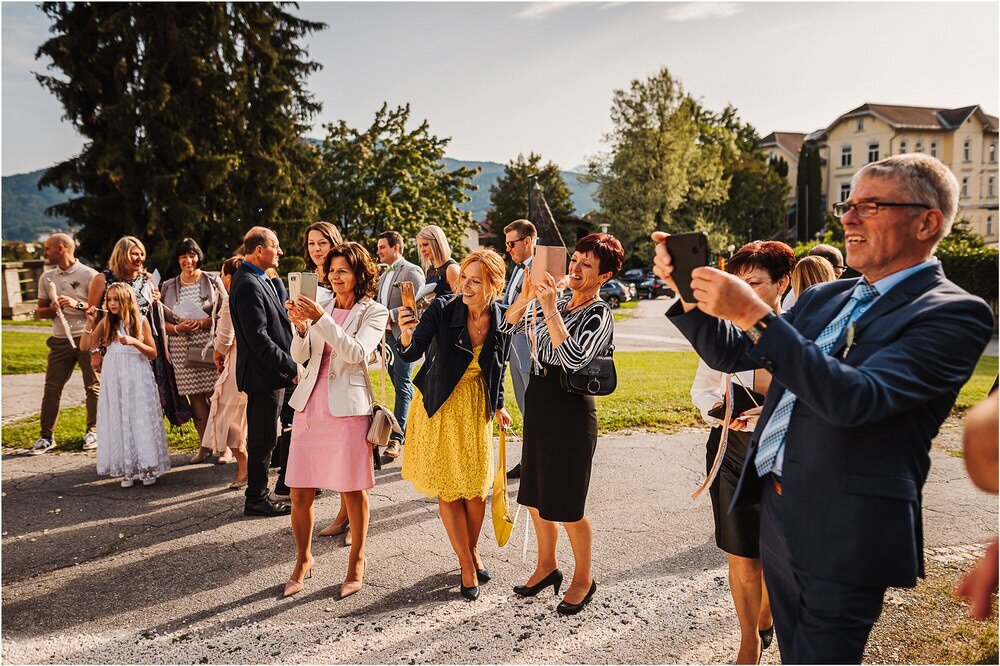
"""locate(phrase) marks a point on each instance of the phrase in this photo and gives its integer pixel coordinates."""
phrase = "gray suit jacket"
(520, 346)
(406, 272)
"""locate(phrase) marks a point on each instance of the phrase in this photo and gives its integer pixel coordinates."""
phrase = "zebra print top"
(590, 333)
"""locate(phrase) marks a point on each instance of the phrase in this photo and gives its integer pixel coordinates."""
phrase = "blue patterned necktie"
(777, 426)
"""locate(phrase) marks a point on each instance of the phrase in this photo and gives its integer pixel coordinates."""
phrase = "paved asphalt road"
(174, 573)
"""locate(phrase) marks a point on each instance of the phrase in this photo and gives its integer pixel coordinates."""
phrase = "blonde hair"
(811, 269)
(494, 270)
(119, 255)
(128, 313)
(440, 249)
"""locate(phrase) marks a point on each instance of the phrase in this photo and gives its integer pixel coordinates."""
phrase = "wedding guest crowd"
(823, 394)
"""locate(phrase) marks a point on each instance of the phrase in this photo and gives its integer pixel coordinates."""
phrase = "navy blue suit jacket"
(263, 334)
(857, 452)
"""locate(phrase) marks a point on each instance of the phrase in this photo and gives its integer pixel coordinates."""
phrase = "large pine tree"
(192, 115)
(509, 196)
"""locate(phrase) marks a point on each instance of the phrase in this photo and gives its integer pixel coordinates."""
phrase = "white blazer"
(352, 346)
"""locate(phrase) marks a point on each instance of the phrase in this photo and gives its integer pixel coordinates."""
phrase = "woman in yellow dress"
(459, 389)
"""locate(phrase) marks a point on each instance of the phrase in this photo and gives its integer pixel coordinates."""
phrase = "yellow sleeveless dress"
(450, 455)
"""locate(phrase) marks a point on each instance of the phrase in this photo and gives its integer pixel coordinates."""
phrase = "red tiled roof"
(920, 117)
(790, 141)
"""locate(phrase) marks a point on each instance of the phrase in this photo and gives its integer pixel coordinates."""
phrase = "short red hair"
(606, 248)
(774, 257)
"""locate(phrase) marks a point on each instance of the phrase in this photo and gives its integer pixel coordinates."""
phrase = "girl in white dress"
(131, 440)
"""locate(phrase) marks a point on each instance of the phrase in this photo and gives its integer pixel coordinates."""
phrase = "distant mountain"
(23, 209)
(23, 214)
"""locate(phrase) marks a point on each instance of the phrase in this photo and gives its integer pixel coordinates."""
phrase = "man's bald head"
(63, 239)
(59, 250)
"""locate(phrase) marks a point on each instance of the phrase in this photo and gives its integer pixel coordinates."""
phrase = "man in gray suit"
(390, 253)
(520, 238)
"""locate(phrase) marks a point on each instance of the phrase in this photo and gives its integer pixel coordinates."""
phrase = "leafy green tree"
(655, 164)
(192, 115)
(389, 177)
(509, 196)
(779, 165)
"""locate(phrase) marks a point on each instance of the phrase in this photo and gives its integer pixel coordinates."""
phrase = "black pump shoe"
(470, 593)
(483, 575)
(572, 609)
(766, 636)
(554, 579)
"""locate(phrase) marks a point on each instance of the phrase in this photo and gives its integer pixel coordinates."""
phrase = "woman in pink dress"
(333, 402)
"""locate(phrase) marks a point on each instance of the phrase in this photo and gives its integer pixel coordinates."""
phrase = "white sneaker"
(41, 446)
(90, 441)
(127, 482)
(149, 480)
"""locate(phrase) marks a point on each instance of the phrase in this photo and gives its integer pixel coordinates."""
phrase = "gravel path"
(174, 573)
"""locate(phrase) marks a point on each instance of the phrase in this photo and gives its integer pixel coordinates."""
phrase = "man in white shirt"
(390, 253)
(520, 238)
(72, 281)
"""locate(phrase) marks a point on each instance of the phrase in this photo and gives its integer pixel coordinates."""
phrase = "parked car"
(615, 293)
(646, 284)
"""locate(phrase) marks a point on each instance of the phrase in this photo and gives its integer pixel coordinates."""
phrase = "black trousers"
(817, 621)
(262, 431)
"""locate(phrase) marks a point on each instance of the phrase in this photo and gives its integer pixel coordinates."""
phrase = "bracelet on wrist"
(551, 316)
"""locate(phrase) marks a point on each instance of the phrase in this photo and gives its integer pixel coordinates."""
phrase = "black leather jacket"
(443, 336)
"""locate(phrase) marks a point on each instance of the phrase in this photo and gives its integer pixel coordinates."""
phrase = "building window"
(993, 152)
(902, 147)
(965, 187)
(989, 225)
(845, 156)
(873, 151)
(845, 191)
(991, 185)
(933, 148)
(967, 151)
(920, 146)
(860, 126)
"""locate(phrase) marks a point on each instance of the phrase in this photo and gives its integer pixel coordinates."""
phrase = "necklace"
(567, 309)
(484, 319)
(188, 283)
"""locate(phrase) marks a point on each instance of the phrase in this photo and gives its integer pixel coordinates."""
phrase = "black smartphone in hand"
(687, 252)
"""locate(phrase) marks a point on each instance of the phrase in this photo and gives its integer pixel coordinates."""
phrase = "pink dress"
(329, 451)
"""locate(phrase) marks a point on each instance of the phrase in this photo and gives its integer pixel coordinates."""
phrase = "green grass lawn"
(653, 393)
(24, 352)
(41, 323)
(625, 310)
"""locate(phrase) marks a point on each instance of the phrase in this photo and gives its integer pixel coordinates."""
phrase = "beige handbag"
(383, 421)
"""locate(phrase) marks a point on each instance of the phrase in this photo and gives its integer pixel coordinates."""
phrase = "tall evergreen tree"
(192, 115)
(390, 177)
(809, 194)
(509, 196)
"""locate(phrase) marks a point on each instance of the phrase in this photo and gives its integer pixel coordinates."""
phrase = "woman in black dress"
(560, 428)
(767, 267)
(435, 257)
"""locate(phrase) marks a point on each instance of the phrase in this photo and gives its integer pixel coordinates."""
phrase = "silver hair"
(924, 179)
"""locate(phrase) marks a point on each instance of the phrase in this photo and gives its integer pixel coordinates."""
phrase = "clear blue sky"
(503, 78)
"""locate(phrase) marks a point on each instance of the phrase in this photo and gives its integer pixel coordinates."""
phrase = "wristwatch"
(757, 330)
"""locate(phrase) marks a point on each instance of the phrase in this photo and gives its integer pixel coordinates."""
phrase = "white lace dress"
(131, 440)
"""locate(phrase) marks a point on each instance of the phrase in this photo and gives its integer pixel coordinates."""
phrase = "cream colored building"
(965, 139)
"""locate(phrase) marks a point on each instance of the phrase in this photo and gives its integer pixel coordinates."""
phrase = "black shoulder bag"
(596, 378)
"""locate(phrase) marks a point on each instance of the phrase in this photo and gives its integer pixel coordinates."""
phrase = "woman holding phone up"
(767, 267)
(449, 451)
(333, 402)
(560, 428)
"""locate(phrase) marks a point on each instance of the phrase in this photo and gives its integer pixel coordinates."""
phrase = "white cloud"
(538, 10)
(699, 11)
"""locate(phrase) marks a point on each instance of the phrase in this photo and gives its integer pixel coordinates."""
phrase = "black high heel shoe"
(483, 575)
(554, 579)
(572, 609)
(766, 636)
(470, 593)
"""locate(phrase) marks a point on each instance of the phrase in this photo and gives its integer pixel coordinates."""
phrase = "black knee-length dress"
(560, 428)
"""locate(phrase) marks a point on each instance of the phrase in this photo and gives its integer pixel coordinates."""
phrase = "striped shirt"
(590, 328)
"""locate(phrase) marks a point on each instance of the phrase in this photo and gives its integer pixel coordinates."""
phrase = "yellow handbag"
(503, 521)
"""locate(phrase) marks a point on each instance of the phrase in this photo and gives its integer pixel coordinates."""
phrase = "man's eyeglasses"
(511, 244)
(870, 208)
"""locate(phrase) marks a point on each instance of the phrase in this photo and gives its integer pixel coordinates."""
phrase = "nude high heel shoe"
(349, 587)
(295, 586)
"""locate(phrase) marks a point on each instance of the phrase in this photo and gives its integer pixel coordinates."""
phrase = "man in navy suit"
(865, 371)
(264, 366)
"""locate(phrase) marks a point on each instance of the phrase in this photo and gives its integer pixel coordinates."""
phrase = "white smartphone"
(305, 284)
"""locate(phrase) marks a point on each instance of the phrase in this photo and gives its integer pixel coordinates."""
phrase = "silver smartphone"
(305, 284)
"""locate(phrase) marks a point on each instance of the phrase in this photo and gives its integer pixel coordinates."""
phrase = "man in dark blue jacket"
(865, 371)
(264, 366)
